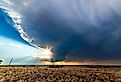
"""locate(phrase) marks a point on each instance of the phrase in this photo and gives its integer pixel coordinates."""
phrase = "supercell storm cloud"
(89, 29)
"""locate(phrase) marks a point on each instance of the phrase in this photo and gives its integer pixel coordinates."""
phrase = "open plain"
(59, 74)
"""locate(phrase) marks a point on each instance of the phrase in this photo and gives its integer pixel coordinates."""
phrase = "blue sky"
(7, 30)
(13, 46)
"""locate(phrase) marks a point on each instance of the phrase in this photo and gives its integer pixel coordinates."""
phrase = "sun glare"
(45, 54)
(47, 51)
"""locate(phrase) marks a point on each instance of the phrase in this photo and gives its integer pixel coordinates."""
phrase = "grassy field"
(59, 74)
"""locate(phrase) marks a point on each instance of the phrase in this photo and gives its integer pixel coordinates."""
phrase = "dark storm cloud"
(83, 28)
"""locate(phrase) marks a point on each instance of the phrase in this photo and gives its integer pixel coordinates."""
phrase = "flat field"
(59, 74)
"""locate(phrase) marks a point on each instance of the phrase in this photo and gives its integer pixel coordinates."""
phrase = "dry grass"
(64, 74)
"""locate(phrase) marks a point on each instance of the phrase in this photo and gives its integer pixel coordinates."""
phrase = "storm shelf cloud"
(86, 29)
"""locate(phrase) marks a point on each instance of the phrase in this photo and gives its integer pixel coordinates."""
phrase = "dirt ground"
(63, 74)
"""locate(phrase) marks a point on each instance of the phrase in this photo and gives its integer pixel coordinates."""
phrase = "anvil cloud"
(87, 29)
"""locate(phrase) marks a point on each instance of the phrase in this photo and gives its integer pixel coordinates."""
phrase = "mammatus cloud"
(82, 28)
